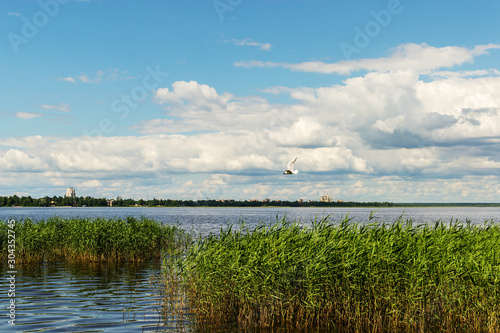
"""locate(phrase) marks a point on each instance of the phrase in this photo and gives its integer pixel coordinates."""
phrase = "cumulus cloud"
(232, 152)
(381, 122)
(333, 159)
(305, 132)
(385, 133)
(17, 160)
(198, 95)
(194, 106)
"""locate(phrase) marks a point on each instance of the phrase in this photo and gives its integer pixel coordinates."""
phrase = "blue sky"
(378, 100)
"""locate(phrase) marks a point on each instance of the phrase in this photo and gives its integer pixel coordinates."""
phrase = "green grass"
(396, 277)
(97, 239)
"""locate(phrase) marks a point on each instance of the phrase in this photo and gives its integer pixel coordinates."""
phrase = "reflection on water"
(85, 297)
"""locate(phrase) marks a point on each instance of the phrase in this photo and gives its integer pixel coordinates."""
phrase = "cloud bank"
(402, 131)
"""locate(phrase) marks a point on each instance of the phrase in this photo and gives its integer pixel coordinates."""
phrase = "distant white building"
(326, 198)
(70, 193)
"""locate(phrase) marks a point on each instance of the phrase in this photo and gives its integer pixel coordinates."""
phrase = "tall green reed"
(98, 239)
(379, 277)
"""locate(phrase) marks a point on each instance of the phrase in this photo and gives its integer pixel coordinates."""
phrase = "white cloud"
(27, 115)
(90, 183)
(100, 76)
(67, 79)
(193, 106)
(459, 74)
(86, 79)
(386, 122)
(199, 95)
(204, 153)
(250, 42)
(258, 63)
(332, 159)
(399, 134)
(62, 107)
(17, 160)
(155, 126)
(417, 57)
(303, 133)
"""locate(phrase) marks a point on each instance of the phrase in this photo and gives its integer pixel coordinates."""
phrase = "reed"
(442, 277)
(98, 239)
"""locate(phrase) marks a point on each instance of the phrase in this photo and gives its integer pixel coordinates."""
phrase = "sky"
(379, 100)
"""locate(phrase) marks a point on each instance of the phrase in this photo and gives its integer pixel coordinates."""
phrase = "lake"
(90, 297)
(211, 219)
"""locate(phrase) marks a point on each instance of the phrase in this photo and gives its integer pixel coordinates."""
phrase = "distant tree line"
(284, 203)
(47, 201)
(58, 201)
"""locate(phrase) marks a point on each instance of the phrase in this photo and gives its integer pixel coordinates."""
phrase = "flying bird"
(289, 168)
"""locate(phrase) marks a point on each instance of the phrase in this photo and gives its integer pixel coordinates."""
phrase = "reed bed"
(346, 277)
(98, 239)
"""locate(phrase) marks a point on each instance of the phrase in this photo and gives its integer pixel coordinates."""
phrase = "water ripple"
(85, 297)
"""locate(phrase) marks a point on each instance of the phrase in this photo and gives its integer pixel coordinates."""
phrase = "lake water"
(90, 297)
(211, 219)
(85, 297)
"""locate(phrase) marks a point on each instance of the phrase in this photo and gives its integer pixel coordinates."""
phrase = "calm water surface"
(90, 297)
(85, 297)
(211, 219)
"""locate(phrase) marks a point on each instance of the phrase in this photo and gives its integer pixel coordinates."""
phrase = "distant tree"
(118, 202)
(13, 201)
(129, 202)
(153, 203)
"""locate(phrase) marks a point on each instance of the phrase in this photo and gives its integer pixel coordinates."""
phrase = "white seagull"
(289, 168)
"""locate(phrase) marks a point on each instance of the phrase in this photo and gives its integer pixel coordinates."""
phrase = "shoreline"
(333, 205)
